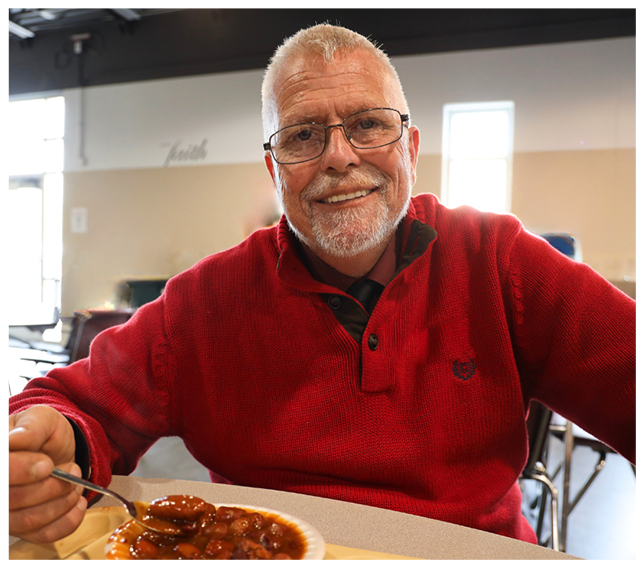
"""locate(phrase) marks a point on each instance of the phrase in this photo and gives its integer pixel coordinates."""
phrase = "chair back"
(87, 324)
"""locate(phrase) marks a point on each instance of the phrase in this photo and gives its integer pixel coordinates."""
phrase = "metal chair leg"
(554, 507)
(601, 462)
(565, 506)
(541, 515)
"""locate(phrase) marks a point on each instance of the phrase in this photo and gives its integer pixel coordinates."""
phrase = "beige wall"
(590, 194)
(155, 222)
(160, 221)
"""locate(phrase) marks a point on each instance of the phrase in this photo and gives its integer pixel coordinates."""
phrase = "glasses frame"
(404, 118)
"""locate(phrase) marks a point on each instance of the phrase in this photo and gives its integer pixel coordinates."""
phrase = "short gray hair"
(325, 40)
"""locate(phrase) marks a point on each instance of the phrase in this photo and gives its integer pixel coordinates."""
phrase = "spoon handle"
(88, 485)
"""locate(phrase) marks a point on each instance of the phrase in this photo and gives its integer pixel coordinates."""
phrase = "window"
(35, 203)
(477, 155)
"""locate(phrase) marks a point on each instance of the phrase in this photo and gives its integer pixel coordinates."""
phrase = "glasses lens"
(298, 143)
(373, 128)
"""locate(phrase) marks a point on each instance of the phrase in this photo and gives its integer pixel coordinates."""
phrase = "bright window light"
(35, 133)
(36, 130)
(24, 261)
(477, 155)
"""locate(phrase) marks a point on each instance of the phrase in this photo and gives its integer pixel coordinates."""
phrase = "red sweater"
(243, 358)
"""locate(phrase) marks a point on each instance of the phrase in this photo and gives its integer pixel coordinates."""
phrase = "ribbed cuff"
(82, 450)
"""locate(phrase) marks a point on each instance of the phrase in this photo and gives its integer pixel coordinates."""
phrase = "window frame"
(451, 109)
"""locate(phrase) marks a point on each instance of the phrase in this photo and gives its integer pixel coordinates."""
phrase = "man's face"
(377, 182)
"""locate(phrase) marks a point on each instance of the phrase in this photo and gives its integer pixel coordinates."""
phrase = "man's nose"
(338, 154)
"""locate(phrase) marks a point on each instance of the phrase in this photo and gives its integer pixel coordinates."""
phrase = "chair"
(87, 324)
(537, 424)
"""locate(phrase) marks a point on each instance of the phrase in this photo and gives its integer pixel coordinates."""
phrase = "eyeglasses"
(371, 128)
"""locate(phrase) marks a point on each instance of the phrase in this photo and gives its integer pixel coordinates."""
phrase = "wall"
(172, 170)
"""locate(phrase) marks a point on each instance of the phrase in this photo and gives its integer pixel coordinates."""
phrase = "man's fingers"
(27, 467)
(31, 494)
(49, 522)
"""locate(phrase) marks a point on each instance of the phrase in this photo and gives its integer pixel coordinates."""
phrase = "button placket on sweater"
(349, 314)
(355, 320)
(375, 376)
(375, 373)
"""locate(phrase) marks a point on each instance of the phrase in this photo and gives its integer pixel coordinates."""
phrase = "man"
(279, 370)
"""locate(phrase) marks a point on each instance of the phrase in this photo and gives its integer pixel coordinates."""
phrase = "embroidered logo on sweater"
(464, 370)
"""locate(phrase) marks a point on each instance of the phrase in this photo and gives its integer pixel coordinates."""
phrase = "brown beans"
(247, 549)
(257, 521)
(184, 507)
(216, 547)
(270, 541)
(240, 526)
(145, 549)
(217, 534)
(276, 529)
(229, 513)
(216, 530)
(187, 550)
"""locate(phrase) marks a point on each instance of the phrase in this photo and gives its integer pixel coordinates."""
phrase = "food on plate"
(207, 532)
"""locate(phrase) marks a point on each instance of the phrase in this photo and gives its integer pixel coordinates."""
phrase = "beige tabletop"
(347, 524)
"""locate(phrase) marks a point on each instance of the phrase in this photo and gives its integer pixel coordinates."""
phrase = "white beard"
(353, 230)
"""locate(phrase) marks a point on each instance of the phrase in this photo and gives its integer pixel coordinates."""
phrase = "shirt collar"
(382, 272)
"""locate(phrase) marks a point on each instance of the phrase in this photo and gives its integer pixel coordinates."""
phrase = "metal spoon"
(136, 509)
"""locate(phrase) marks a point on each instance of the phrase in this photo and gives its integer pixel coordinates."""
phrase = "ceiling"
(53, 49)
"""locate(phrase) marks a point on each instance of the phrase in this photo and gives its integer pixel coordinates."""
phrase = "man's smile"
(347, 196)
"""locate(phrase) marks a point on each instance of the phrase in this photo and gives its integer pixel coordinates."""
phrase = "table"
(348, 524)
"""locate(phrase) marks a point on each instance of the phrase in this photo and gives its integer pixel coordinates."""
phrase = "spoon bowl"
(136, 509)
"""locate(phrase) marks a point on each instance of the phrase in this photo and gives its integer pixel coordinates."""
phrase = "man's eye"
(366, 124)
(304, 135)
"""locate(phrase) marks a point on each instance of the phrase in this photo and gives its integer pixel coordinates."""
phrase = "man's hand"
(42, 508)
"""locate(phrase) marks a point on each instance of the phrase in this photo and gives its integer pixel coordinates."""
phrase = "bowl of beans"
(214, 532)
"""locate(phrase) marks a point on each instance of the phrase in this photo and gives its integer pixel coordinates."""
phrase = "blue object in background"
(564, 243)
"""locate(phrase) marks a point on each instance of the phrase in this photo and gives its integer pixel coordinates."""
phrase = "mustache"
(325, 183)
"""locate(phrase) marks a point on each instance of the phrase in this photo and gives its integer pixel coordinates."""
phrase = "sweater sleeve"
(119, 396)
(575, 340)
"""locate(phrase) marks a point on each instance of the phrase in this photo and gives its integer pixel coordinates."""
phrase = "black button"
(373, 342)
(335, 302)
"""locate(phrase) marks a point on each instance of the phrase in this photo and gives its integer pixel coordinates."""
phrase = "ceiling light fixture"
(129, 15)
(24, 33)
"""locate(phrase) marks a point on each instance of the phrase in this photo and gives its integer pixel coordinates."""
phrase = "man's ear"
(270, 166)
(414, 146)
